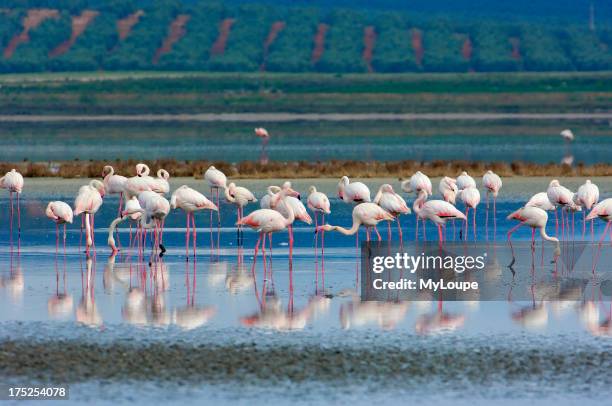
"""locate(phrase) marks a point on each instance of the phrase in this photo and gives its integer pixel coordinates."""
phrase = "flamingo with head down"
(535, 218)
(364, 214)
(60, 213)
(587, 196)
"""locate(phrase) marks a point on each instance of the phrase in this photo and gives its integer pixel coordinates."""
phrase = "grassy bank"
(168, 92)
(301, 169)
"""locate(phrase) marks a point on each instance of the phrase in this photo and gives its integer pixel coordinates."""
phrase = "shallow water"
(220, 300)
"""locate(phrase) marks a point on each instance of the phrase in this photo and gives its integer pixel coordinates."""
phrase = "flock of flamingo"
(142, 202)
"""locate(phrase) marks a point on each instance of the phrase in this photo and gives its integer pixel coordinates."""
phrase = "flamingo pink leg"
(187, 238)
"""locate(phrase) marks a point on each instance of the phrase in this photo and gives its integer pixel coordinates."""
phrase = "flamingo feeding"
(534, 217)
(216, 180)
(437, 211)
(190, 201)
(364, 214)
(470, 196)
(88, 202)
(60, 213)
(133, 212)
(353, 192)
(392, 203)
(13, 182)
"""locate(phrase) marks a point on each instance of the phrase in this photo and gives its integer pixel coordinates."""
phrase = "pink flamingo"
(60, 213)
(417, 182)
(265, 138)
(318, 203)
(240, 197)
(470, 196)
(464, 181)
(266, 222)
(190, 200)
(155, 209)
(13, 182)
(534, 217)
(88, 202)
(353, 192)
(540, 200)
(114, 184)
(493, 183)
(448, 189)
(364, 214)
(133, 212)
(216, 180)
(560, 196)
(587, 197)
(392, 203)
(437, 211)
(160, 183)
(136, 184)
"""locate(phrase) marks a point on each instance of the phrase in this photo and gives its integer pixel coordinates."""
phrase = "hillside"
(76, 35)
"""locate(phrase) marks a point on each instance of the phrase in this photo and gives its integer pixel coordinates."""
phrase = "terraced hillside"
(202, 35)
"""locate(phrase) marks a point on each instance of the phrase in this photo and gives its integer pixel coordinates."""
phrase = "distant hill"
(305, 36)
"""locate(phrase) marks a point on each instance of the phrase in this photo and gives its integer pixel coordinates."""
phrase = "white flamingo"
(13, 182)
(392, 203)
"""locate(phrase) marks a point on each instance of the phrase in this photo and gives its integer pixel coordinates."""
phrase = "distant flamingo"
(392, 203)
(267, 221)
(353, 192)
(587, 197)
(534, 217)
(470, 196)
(364, 214)
(265, 138)
(88, 202)
(567, 135)
(13, 182)
(417, 182)
(493, 183)
(190, 201)
(216, 180)
(60, 213)
(437, 211)
(240, 197)
(464, 181)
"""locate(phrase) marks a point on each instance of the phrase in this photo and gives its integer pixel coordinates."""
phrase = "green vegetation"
(539, 45)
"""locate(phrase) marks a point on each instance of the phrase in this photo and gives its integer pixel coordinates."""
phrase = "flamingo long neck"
(228, 196)
(548, 237)
(418, 203)
(290, 213)
(378, 195)
(349, 231)
(111, 231)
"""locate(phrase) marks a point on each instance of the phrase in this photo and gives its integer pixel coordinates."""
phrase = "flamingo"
(318, 202)
(448, 189)
(353, 192)
(136, 184)
(464, 181)
(292, 203)
(155, 208)
(266, 222)
(437, 211)
(60, 213)
(216, 180)
(567, 135)
(265, 138)
(265, 202)
(240, 197)
(417, 182)
(602, 210)
(560, 196)
(587, 197)
(541, 201)
(13, 182)
(364, 214)
(190, 200)
(470, 196)
(534, 217)
(88, 202)
(114, 184)
(132, 211)
(493, 183)
(160, 183)
(392, 203)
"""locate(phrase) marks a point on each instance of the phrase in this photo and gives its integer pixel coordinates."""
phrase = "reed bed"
(303, 169)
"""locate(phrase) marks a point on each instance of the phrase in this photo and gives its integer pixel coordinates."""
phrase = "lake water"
(469, 352)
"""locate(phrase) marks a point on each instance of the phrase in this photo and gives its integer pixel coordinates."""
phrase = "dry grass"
(303, 169)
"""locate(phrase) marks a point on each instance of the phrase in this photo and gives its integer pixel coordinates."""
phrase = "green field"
(197, 92)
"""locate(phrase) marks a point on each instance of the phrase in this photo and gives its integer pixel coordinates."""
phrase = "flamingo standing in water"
(534, 217)
(136, 184)
(60, 213)
(216, 180)
(13, 182)
(114, 184)
(392, 203)
(132, 211)
(448, 189)
(265, 138)
(318, 202)
(292, 203)
(493, 183)
(240, 197)
(560, 196)
(470, 196)
(464, 181)
(437, 211)
(602, 210)
(268, 221)
(587, 197)
(364, 214)
(190, 200)
(155, 208)
(159, 184)
(88, 202)
(417, 182)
